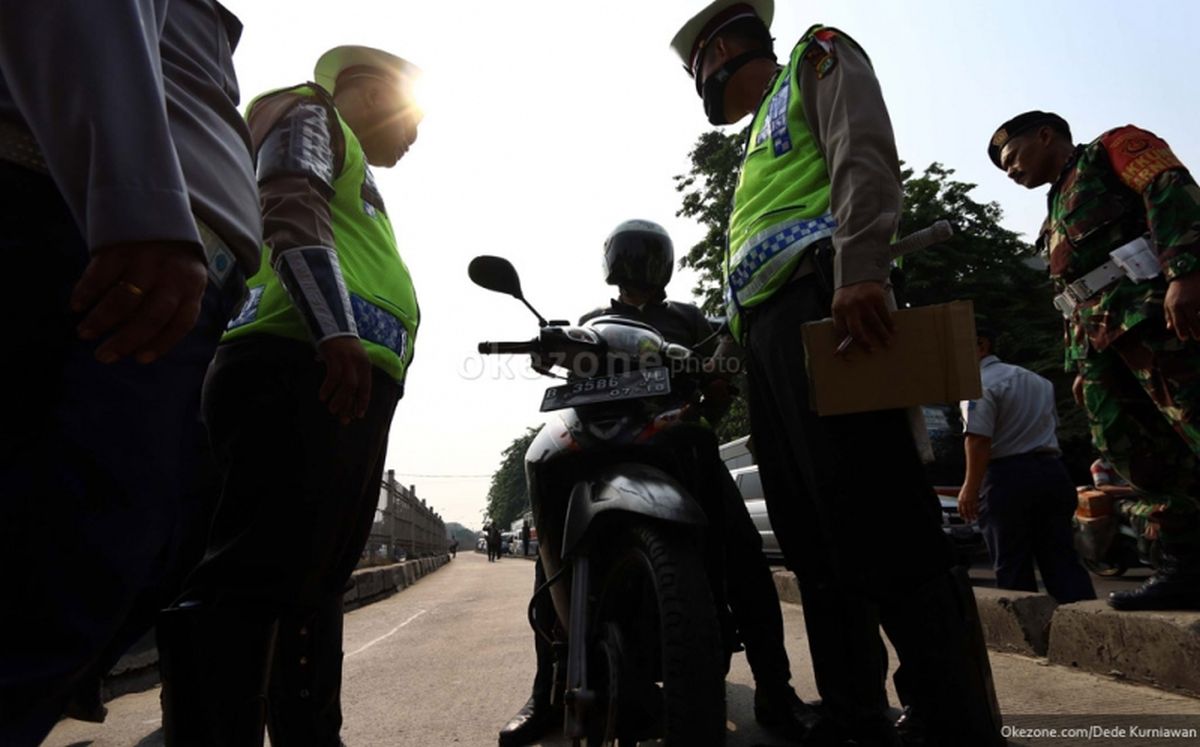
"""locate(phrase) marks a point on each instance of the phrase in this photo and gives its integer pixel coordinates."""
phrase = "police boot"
(1175, 585)
(778, 708)
(306, 679)
(935, 629)
(214, 664)
(539, 715)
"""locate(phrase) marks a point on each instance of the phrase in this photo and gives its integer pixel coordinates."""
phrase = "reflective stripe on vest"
(765, 254)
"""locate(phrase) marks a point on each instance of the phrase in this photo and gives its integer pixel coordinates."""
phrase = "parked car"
(750, 486)
(944, 426)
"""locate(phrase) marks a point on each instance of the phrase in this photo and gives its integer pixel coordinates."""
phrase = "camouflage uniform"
(1141, 384)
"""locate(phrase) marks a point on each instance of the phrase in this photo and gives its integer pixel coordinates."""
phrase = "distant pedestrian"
(1016, 485)
(525, 538)
(494, 541)
(454, 548)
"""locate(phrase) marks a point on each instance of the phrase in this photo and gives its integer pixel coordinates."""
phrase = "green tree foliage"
(983, 262)
(464, 535)
(508, 497)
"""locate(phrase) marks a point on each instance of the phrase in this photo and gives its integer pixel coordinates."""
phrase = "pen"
(844, 345)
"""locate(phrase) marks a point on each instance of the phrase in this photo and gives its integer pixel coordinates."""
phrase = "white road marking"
(386, 635)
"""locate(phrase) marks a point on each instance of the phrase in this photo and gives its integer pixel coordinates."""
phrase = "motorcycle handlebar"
(515, 348)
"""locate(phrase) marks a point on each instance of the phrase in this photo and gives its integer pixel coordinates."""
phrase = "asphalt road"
(447, 661)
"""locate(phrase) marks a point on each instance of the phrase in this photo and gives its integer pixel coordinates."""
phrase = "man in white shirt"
(1016, 485)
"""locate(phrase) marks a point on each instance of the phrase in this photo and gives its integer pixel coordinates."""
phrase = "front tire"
(657, 648)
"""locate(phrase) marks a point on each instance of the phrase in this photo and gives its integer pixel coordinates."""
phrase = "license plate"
(650, 382)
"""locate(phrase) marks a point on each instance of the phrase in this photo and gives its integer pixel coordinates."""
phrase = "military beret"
(1021, 124)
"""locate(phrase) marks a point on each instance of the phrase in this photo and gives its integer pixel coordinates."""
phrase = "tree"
(508, 496)
(983, 262)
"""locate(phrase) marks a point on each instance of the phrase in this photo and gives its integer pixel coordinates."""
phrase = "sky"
(551, 121)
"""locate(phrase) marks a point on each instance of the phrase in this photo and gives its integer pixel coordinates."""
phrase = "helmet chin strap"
(713, 88)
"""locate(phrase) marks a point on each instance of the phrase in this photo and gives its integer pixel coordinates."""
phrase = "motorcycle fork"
(578, 697)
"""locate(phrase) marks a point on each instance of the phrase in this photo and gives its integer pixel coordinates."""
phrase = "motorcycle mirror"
(497, 274)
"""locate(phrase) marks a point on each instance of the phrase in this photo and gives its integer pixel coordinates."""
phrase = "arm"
(297, 165)
(979, 452)
(1146, 165)
(846, 112)
(979, 422)
(86, 78)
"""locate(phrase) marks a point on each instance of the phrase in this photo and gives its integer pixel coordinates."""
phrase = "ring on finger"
(134, 289)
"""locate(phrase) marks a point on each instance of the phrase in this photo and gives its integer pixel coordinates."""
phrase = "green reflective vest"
(781, 204)
(381, 290)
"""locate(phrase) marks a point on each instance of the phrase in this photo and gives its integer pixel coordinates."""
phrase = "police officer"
(1016, 485)
(299, 402)
(128, 221)
(816, 206)
(639, 258)
(1132, 326)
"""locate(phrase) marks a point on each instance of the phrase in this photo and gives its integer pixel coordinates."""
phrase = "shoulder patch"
(1138, 156)
(821, 54)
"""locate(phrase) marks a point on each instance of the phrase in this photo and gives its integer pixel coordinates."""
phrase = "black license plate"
(650, 382)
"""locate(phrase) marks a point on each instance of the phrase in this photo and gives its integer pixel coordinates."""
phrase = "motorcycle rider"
(639, 259)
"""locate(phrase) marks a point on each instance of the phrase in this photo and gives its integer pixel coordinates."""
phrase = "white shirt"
(1017, 410)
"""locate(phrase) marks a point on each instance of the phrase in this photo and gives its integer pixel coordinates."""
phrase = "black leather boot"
(214, 663)
(778, 708)
(1174, 586)
(306, 679)
(935, 629)
(535, 719)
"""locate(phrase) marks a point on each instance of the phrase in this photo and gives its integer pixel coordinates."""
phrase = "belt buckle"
(1065, 303)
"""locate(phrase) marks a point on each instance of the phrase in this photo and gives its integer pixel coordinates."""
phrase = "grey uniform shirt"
(848, 117)
(133, 104)
(1017, 410)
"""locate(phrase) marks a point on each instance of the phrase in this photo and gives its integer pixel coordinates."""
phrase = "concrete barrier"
(1155, 648)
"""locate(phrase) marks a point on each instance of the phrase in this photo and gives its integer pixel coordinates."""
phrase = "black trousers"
(861, 528)
(299, 497)
(1025, 509)
(96, 462)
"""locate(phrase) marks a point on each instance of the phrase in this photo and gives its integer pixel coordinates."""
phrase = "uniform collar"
(1066, 169)
(988, 360)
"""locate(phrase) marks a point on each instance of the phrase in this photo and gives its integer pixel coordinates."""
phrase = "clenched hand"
(860, 311)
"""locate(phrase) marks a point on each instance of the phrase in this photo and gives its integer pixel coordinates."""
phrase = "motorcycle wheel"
(656, 658)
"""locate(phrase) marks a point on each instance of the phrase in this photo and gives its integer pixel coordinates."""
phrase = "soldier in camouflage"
(1134, 345)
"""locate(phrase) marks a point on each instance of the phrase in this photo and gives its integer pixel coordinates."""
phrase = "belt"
(18, 146)
(1088, 286)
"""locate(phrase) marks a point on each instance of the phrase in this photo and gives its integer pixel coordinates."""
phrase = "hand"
(968, 505)
(860, 311)
(1077, 389)
(347, 385)
(147, 295)
(1182, 306)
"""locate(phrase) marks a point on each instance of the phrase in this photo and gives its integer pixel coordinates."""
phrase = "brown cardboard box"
(930, 360)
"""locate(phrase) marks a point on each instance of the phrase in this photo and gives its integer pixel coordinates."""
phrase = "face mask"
(713, 90)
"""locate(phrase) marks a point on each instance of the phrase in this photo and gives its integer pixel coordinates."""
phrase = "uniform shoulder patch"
(1138, 156)
(821, 55)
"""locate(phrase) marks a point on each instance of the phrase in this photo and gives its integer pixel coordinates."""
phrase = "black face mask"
(713, 89)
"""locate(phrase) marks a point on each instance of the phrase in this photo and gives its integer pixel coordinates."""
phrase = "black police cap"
(1021, 124)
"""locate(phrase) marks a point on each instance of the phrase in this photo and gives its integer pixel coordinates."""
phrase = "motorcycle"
(1110, 536)
(614, 480)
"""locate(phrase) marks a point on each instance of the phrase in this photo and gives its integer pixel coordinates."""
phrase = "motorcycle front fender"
(631, 488)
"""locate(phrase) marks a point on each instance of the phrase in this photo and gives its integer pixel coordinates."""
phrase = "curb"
(1153, 648)
(138, 669)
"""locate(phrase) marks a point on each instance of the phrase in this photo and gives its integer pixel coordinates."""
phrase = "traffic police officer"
(1016, 484)
(1122, 239)
(816, 206)
(128, 222)
(299, 402)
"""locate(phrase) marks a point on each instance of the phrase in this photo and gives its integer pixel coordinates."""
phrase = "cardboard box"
(931, 359)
